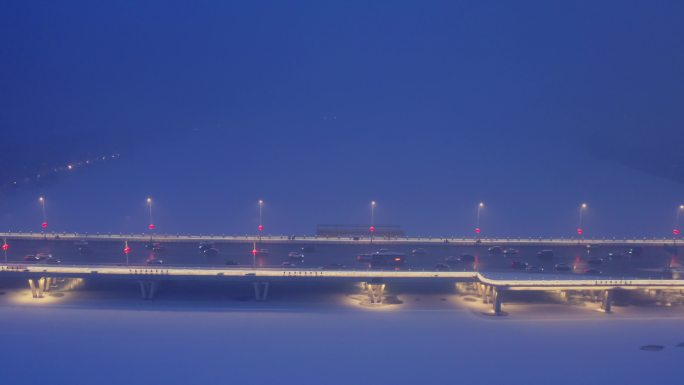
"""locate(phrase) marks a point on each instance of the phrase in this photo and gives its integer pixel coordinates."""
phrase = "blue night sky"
(319, 107)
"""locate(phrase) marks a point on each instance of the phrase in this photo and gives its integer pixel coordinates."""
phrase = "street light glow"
(584, 205)
(149, 200)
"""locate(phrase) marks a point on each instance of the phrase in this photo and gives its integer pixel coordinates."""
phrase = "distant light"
(372, 229)
(151, 226)
(675, 231)
(260, 227)
(580, 231)
(261, 202)
(254, 252)
(70, 167)
(41, 199)
(127, 249)
(481, 204)
(681, 207)
(149, 200)
(5, 246)
(584, 205)
(372, 203)
(477, 230)
(44, 225)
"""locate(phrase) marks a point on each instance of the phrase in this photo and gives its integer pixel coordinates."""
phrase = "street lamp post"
(675, 231)
(480, 206)
(44, 224)
(371, 229)
(260, 228)
(126, 250)
(580, 228)
(151, 226)
(5, 247)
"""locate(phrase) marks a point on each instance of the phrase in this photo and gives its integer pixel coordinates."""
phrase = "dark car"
(308, 249)
(510, 251)
(442, 267)
(519, 265)
(418, 251)
(53, 261)
(154, 261)
(466, 258)
(535, 269)
(635, 251)
(595, 261)
(562, 267)
(210, 252)
(31, 258)
(545, 255)
(206, 246)
(615, 256)
(495, 250)
(592, 272)
(335, 266)
(230, 262)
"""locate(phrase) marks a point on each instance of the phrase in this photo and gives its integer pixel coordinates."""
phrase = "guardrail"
(314, 239)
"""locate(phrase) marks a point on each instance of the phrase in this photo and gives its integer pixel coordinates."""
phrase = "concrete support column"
(376, 292)
(148, 289)
(497, 301)
(607, 301)
(36, 288)
(260, 290)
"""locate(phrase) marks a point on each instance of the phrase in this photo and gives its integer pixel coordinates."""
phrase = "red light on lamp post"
(580, 231)
(151, 226)
(44, 225)
(5, 247)
(260, 228)
(675, 231)
(126, 250)
(477, 230)
(371, 229)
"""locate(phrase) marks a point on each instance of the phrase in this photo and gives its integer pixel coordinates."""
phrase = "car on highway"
(635, 251)
(592, 272)
(518, 265)
(545, 255)
(495, 250)
(418, 251)
(466, 258)
(42, 256)
(308, 249)
(442, 267)
(154, 261)
(615, 256)
(595, 261)
(562, 267)
(293, 255)
(287, 264)
(230, 262)
(156, 246)
(31, 258)
(210, 252)
(510, 251)
(206, 246)
(535, 269)
(53, 261)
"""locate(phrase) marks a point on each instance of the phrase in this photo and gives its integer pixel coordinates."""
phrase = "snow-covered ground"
(328, 337)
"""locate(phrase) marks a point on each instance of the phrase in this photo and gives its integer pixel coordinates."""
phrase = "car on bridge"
(518, 265)
(562, 267)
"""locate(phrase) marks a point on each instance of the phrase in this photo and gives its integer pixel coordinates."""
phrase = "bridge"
(491, 287)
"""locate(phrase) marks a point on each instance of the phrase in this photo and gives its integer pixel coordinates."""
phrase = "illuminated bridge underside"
(491, 289)
(323, 275)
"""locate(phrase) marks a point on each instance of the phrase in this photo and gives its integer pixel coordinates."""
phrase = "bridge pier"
(607, 301)
(497, 300)
(375, 292)
(260, 290)
(148, 289)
